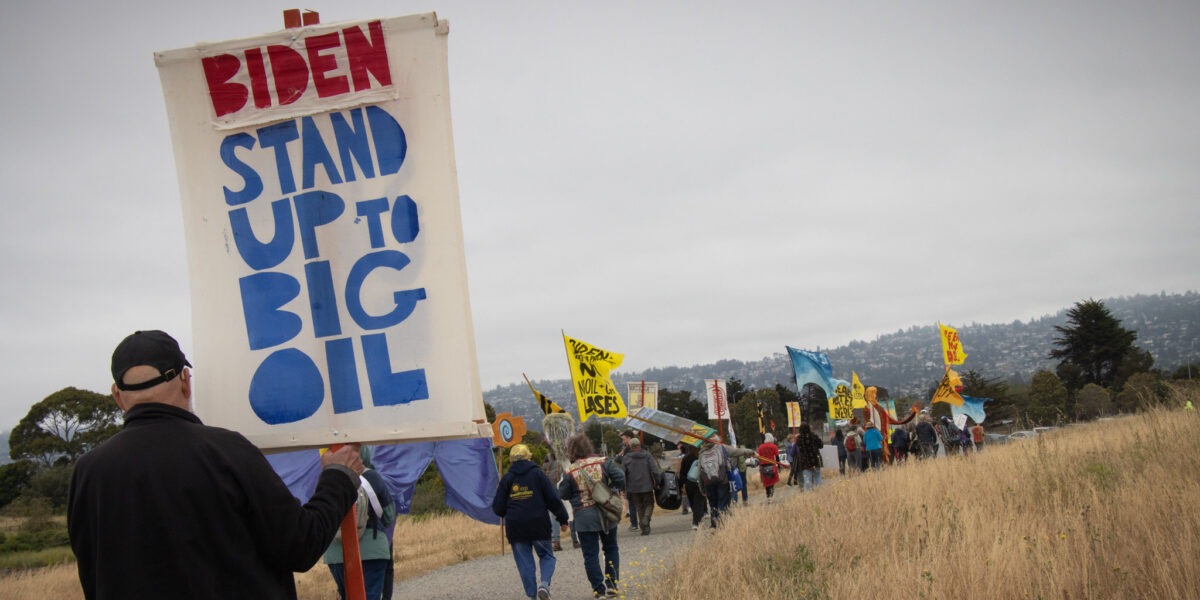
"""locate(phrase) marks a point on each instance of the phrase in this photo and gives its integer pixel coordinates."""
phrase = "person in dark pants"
(690, 470)
(630, 511)
(523, 498)
(593, 530)
(641, 479)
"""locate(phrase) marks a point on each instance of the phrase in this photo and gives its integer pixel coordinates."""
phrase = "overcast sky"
(677, 181)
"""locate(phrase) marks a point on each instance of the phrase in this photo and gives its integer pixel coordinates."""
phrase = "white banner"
(718, 404)
(642, 393)
(325, 251)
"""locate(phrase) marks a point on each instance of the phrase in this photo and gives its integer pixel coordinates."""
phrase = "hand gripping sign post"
(325, 252)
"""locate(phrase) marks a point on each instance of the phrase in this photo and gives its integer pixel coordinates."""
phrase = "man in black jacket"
(172, 508)
(523, 498)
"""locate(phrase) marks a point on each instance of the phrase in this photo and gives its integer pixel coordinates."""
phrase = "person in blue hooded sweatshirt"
(523, 498)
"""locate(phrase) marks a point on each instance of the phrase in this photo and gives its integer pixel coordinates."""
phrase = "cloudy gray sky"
(678, 181)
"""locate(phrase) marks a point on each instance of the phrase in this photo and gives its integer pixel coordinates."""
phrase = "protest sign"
(718, 404)
(595, 393)
(642, 393)
(841, 404)
(794, 418)
(325, 251)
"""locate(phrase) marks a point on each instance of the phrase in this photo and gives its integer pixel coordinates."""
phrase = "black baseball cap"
(151, 348)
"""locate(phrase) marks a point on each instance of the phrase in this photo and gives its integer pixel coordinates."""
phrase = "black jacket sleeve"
(290, 535)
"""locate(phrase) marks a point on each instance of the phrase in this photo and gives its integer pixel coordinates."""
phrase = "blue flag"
(467, 468)
(972, 407)
(813, 367)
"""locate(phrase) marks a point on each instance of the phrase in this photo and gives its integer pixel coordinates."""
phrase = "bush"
(13, 479)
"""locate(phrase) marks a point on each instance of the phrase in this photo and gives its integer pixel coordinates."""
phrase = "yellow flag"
(945, 390)
(858, 392)
(546, 405)
(952, 349)
(594, 389)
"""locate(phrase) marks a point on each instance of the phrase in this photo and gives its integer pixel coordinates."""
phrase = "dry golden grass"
(60, 582)
(1101, 510)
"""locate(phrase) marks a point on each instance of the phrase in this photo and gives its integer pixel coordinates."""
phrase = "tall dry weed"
(1102, 510)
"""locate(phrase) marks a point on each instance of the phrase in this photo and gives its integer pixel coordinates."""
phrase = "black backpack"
(667, 496)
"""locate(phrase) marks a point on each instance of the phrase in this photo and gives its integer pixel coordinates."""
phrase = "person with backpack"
(690, 467)
(594, 530)
(714, 476)
(768, 470)
(522, 499)
(854, 449)
(873, 443)
(376, 512)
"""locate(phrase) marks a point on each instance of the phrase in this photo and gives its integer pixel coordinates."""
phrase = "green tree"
(1141, 391)
(745, 419)
(1001, 407)
(64, 425)
(1094, 341)
(13, 479)
(489, 412)
(681, 404)
(1093, 401)
(1047, 399)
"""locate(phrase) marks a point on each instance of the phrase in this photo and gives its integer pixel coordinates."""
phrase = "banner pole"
(351, 556)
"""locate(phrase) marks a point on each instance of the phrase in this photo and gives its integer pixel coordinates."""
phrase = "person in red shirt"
(769, 471)
(977, 437)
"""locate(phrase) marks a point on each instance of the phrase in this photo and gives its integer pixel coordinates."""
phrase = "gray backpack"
(714, 465)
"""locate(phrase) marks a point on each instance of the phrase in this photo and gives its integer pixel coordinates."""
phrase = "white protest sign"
(718, 404)
(325, 251)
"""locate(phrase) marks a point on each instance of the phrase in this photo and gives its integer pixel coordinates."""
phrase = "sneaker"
(558, 546)
(611, 591)
(633, 527)
(695, 528)
(543, 594)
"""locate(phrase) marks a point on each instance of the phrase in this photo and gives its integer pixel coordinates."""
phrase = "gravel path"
(642, 559)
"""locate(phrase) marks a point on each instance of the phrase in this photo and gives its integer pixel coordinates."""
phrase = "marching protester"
(554, 472)
(626, 436)
(594, 533)
(691, 478)
(715, 464)
(808, 457)
(854, 449)
(769, 471)
(873, 443)
(839, 441)
(793, 472)
(900, 444)
(641, 480)
(977, 437)
(376, 513)
(172, 508)
(950, 436)
(928, 437)
(524, 500)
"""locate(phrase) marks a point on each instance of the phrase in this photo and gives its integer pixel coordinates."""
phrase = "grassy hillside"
(1101, 510)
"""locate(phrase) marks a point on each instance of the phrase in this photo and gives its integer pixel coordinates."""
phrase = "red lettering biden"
(361, 56)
